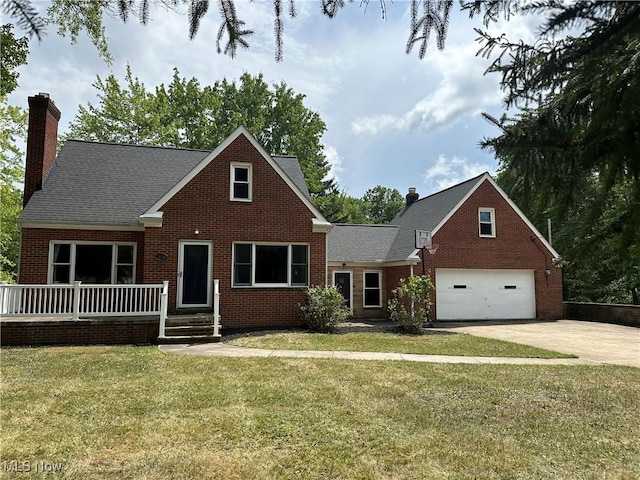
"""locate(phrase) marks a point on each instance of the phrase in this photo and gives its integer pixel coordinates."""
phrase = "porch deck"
(78, 314)
(27, 330)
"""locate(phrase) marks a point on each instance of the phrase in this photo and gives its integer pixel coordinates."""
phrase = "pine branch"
(330, 8)
(233, 27)
(197, 10)
(435, 17)
(26, 17)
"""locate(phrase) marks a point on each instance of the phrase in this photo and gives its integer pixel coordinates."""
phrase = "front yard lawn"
(139, 413)
(433, 344)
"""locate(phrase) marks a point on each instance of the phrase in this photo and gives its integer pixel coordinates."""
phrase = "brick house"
(491, 262)
(105, 213)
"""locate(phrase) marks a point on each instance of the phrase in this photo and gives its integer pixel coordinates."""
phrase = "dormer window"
(241, 188)
(487, 222)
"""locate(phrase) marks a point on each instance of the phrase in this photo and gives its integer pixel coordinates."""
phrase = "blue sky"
(392, 119)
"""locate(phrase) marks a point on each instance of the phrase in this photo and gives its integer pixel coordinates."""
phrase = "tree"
(185, 114)
(13, 122)
(73, 17)
(383, 204)
(571, 153)
(13, 52)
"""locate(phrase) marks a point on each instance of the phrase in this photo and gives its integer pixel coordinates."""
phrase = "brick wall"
(390, 278)
(603, 312)
(275, 214)
(42, 141)
(82, 332)
(514, 247)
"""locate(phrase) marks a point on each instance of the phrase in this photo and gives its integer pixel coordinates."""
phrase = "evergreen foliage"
(72, 16)
(571, 153)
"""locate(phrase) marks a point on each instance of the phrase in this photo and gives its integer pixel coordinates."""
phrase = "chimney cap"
(412, 189)
(43, 94)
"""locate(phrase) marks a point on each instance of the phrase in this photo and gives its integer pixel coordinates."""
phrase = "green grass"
(467, 345)
(138, 413)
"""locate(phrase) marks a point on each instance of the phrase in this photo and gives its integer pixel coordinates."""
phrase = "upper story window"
(487, 222)
(241, 182)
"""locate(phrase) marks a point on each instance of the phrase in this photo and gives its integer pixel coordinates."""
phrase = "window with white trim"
(487, 222)
(372, 295)
(270, 265)
(91, 262)
(241, 182)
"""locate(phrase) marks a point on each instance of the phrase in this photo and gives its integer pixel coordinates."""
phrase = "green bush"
(411, 303)
(325, 309)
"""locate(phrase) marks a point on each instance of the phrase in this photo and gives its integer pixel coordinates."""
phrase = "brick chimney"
(42, 142)
(412, 196)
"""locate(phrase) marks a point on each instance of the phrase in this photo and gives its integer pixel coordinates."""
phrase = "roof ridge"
(365, 225)
(120, 144)
(477, 177)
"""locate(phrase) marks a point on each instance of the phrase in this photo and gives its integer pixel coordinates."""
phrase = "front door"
(194, 274)
(342, 280)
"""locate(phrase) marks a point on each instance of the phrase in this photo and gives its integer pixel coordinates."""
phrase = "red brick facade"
(275, 214)
(515, 247)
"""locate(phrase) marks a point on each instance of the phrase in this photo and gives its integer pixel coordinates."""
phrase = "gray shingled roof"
(426, 214)
(106, 183)
(395, 242)
(291, 167)
(360, 243)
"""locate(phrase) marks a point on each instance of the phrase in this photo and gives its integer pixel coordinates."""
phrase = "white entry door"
(194, 274)
(466, 294)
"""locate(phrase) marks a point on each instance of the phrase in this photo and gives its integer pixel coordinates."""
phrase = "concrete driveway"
(597, 342)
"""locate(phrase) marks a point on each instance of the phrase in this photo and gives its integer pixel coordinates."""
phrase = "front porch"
(81, 314)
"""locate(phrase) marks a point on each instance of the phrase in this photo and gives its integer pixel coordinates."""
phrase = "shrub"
(411, 303)
(325, 309)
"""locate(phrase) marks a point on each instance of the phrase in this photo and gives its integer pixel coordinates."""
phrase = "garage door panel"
(484, 294)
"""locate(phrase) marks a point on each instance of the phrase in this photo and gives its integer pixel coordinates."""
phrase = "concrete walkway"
(594, 343)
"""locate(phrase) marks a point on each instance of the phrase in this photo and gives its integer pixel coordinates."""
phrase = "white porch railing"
(86, 300)
(216, 312)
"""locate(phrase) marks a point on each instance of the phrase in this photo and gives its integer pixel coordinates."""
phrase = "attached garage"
(466, 294)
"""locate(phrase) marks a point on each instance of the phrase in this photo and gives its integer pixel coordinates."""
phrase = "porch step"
(189, 339)
(189, 328)
(171, 331)
(190, 319)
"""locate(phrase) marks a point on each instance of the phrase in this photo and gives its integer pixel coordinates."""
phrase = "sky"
(392, 119)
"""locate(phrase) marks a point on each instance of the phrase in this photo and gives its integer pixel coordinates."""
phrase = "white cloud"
(462, 89)
(335, 161)
(451, 171)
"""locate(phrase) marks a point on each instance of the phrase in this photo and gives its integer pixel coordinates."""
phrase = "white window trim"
(364, 288)
(72, 259)
(492, 211)
(253, 265)
(232, 182)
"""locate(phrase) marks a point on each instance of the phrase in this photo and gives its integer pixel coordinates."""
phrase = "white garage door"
(485, 294)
